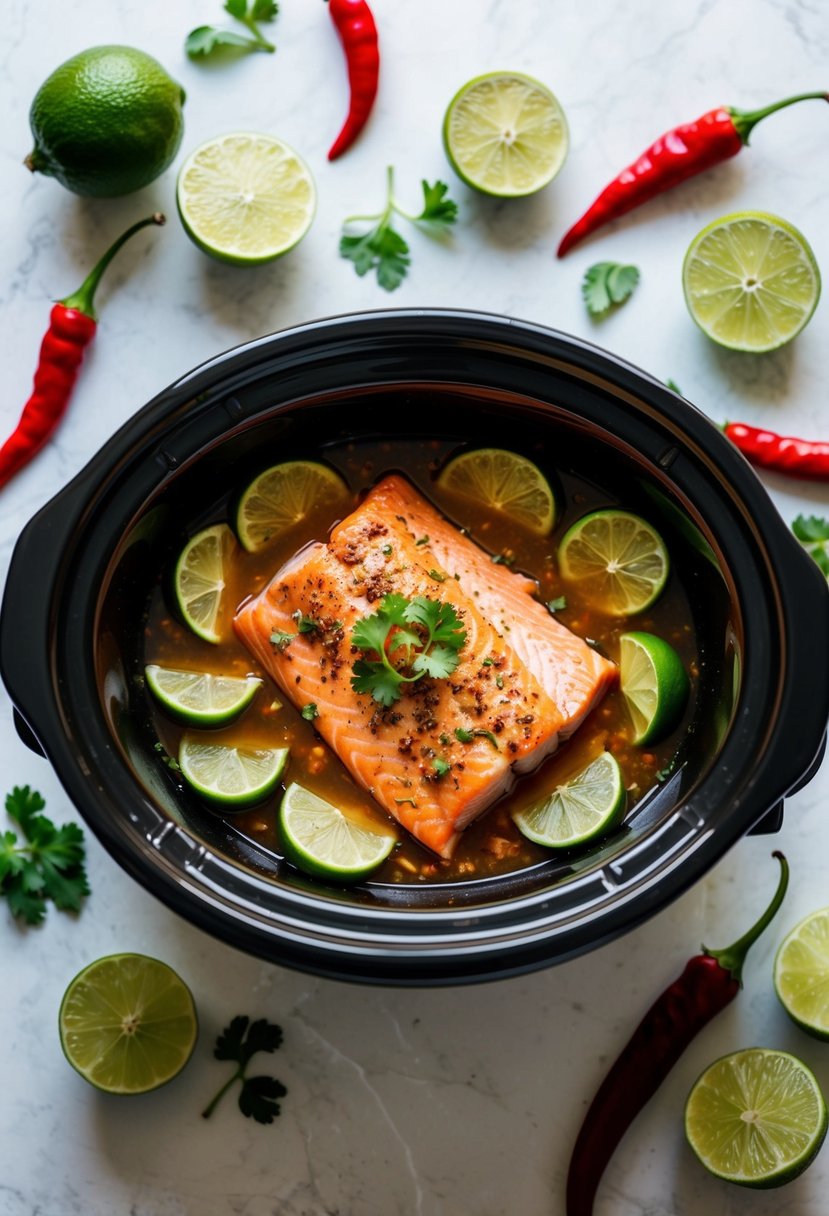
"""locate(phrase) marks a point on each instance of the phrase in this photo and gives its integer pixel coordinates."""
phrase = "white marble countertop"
(429, 1103)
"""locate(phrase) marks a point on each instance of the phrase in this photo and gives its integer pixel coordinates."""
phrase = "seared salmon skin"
(448, 748)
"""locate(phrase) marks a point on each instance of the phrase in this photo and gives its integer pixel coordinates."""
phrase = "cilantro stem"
(261, 42)
(211, 1106)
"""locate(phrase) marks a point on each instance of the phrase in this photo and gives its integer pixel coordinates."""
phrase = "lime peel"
(200, 697)
(801, 974)
(654, 684)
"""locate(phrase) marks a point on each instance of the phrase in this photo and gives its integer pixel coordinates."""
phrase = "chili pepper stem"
(82, 300)
(732, 957)
(746, 120)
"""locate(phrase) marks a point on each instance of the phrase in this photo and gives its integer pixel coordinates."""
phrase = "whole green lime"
(106, 122)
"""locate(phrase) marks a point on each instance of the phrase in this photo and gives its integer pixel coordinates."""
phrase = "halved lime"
(319, 839)
(283, 496)
(127, 1023)
(200, 579)
(199, 697)
(505, 482)
(751, 281)
(236, 776)
(578, 810)
(654, 683)
(245, 198)
(505, 134)
(801, 974)
(756, 1117)
(619, 561)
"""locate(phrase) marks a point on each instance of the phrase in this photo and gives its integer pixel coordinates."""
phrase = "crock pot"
(82, 569)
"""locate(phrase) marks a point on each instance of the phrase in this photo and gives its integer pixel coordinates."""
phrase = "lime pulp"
(618, 560)
(234, 776)
(579, 810)
(654, 684)
(801, 974)
(198, 697)
(200, 580)
(320, 840)
(282, 497)
(505, 482)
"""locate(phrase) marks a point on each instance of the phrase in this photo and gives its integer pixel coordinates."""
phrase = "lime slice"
(654, 684)
(236, 776)
(319, 839)
(505, 482)
(282, 497)
(751, 281)
(801, 974)
(756, 1117)
(245, 198)
(582, 808)
(619, 561)
(127, 1023)
(505, 134)
(200, 579)
(198, 697)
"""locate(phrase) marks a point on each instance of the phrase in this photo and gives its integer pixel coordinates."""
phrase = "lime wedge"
(801, 974)
(319, 839)
(236, 776)
(198, 697)
(579, 810)
(245, 198)
(127, 1023)
(505, 482)
(618, 560)
(751, 281)
(756, 1117)
(505, 134)
(200, 579)
(282, 497)
(654, 684)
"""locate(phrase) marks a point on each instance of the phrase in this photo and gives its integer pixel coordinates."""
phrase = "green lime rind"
(106, 122)
(231, 776)
(127, 1024)
(281, 497)
(580, 809)
(756, 1118)
(245, 198)
(505, 482)
(801, 974)
(654, 683)
(199, 580)
(201, 698)
(320, 840)
(751, 281)
(618, 559)
(505, 134)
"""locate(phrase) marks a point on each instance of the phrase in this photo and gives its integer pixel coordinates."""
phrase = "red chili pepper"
(354, 23)
(72, 326)
(674, 157)
(709, 982)
(784, 453)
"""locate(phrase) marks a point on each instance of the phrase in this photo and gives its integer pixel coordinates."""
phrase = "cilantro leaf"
(556, 605)
(310, 711)
(281, 640)
(441, 767)
(377, 679)
(439, 663)
(606, 284)
(207, 38)
(810, 528)
(466, 736)
(381, 248)
(305, 624)
(49, 865)
(265, 10)
(236, 8)
(430, 633)
(240, 1041)
(673, 386)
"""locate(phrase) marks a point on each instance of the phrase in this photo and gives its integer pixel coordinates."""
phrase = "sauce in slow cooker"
(492, 845)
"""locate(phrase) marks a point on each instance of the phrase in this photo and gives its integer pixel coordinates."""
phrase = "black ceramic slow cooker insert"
(83, 568)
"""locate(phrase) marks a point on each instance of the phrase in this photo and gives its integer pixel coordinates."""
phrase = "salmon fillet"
(391, 750)
(569, 670)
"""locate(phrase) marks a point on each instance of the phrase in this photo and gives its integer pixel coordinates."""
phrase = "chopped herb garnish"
(411, 639)
(556, 605)
(466, 736)
(305, 624)
(423, 540)
(813, 533)
(281, 640)
(309, 711)
(441, 767)
(673, 386)
(445, 740)
(50, 865)
(335, 625)
(400, 801)
(487, 662)
(382, 248)
(606, 284)
(204, 40)
(503, 559)
(437, 576)
(387, 550)
(240, 1041)
(499, 681)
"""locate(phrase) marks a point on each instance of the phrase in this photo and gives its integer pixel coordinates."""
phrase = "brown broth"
(492, 845)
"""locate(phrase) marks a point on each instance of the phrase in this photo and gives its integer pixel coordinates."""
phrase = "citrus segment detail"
(282, 497)
(580, 809)
(505, 134)
(239, 775)
(751, 281)
(619, 561)
(654, 684)
(506, 482)
(801, 974)
(319, 839)
(127, 1023)
(245, 198)
(199, 697)
(201, 573)
(756, 1117)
